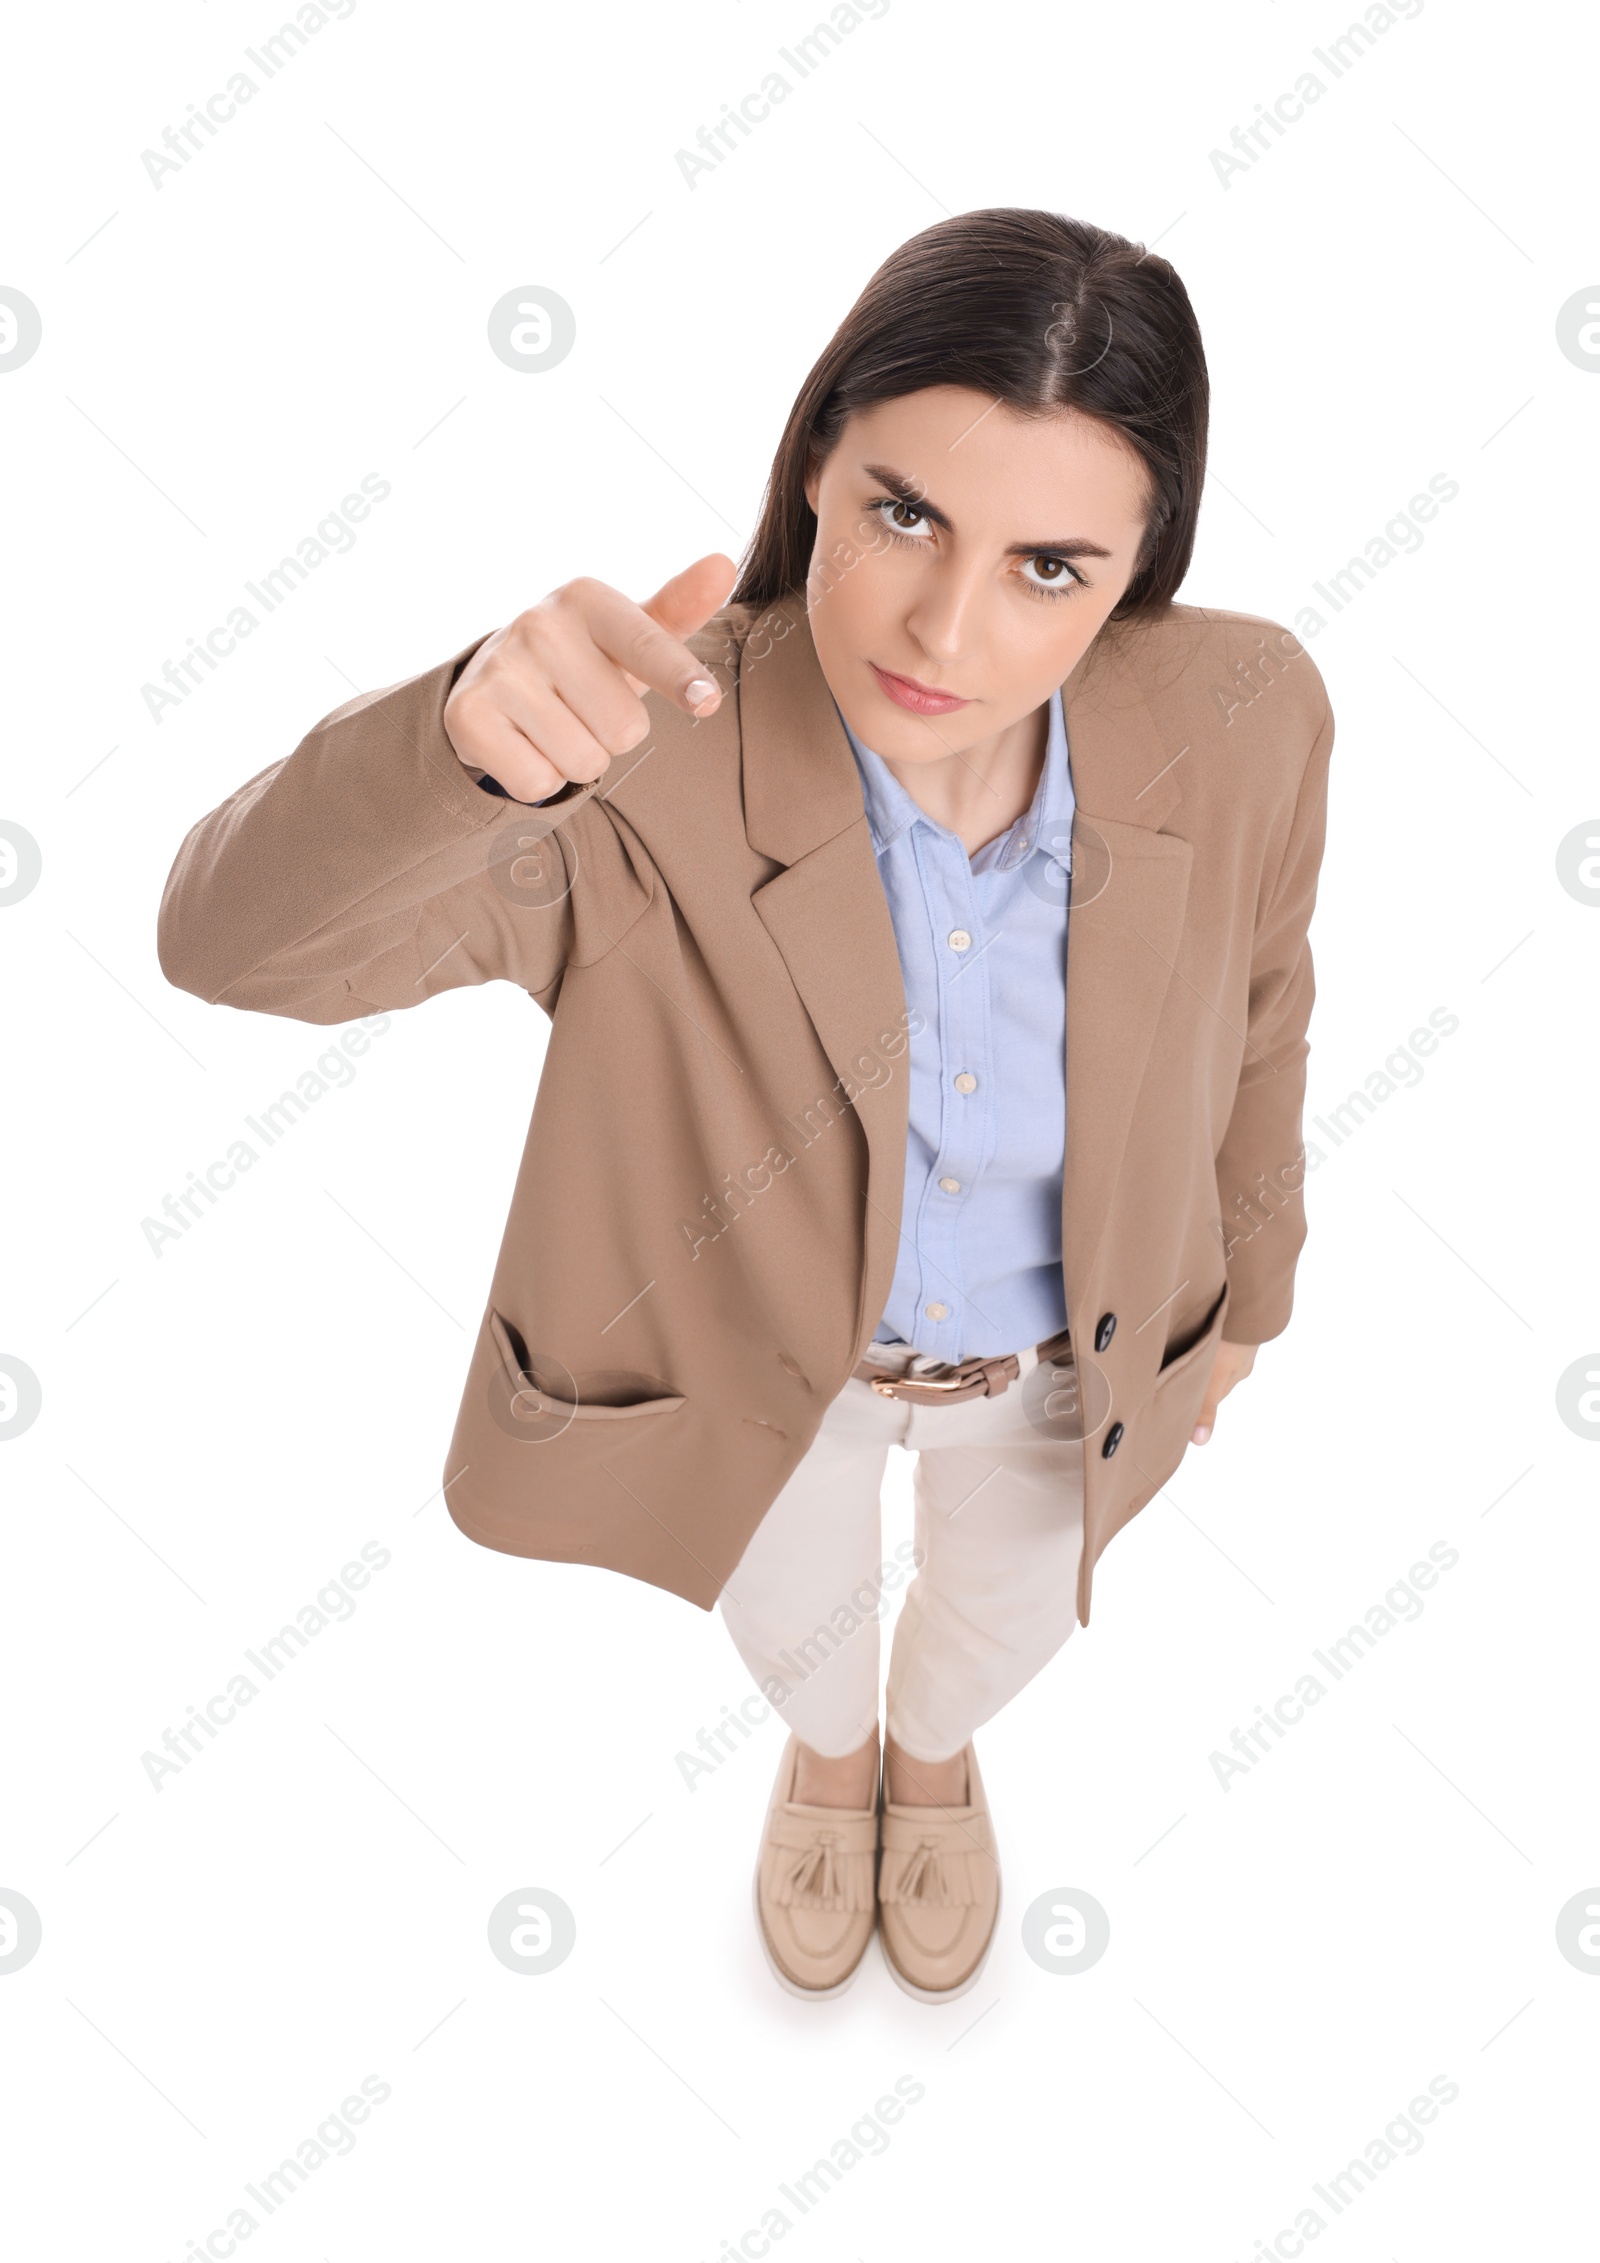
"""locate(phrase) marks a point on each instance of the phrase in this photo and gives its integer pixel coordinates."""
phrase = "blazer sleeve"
(1261, 1163)
(370, 869)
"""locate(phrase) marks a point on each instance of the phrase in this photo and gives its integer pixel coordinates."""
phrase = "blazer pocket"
(1189, 1348)
(1160, 1435)
(535, 1397)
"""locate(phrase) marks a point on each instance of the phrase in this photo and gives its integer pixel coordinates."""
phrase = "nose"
(943, 618)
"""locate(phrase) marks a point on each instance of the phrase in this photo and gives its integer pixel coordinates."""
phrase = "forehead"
(980, 458)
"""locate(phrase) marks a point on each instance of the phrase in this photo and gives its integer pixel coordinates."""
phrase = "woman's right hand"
(558, 693)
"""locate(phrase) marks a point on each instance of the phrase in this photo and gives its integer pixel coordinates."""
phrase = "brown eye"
(1064, 577)
(889, 508)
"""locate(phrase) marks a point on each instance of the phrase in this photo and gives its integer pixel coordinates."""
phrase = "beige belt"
(967, 1379)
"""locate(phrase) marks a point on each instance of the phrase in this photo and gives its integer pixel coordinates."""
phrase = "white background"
(1292, 1958)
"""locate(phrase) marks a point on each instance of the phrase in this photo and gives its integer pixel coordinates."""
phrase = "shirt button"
(966, 1081)
(960, 940)
(950, 1186)
(937, 1311)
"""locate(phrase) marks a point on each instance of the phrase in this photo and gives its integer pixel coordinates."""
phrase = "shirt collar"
(1047, 821)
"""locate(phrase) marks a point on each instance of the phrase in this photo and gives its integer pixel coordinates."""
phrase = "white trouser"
(998, 1538)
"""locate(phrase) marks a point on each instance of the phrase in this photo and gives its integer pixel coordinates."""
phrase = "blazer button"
(1113, 1440)
(1106, 1330)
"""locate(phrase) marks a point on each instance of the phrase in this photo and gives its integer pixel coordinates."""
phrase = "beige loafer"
(815, 1888)
(938, 1892)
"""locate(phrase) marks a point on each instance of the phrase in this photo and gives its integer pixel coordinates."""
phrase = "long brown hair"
(1040, 311)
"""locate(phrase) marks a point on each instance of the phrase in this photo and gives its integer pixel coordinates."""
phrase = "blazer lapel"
(1129, 888)
(826, 913)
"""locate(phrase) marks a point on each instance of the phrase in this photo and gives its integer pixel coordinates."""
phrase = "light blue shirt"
(983, 955)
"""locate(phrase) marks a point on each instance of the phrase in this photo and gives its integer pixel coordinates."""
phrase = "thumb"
(688, 600)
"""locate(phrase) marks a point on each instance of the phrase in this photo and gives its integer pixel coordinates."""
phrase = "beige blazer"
(703, 1233)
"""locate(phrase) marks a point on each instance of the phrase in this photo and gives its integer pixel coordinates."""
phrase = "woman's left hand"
(1232, 1363)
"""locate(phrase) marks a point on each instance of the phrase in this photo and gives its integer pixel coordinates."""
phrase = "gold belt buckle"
(888, 1386)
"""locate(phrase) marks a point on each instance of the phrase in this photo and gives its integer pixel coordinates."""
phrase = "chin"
(916, 744)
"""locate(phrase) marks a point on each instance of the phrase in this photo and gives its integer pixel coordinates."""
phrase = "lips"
(905, 691)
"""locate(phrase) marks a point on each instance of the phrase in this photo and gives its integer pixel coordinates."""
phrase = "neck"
(982, 791)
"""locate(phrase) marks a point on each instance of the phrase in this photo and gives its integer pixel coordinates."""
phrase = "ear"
(813, 481)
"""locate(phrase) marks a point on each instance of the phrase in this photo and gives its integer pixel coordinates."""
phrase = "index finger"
(649, 656)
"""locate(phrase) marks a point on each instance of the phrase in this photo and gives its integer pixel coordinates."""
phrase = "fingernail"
(699, 692)
(1202, 1433)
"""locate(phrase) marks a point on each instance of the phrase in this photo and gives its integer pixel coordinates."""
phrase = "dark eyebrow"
(907, 490)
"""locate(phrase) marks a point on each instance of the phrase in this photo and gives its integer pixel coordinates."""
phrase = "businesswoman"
(922, 930)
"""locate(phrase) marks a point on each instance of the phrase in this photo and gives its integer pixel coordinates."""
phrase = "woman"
(922, 930)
